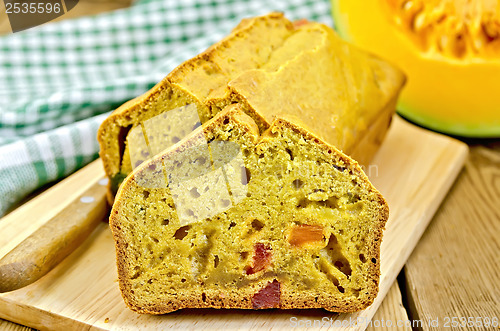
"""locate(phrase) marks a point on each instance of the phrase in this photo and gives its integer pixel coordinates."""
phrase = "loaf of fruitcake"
(230, 218)
(272, 68)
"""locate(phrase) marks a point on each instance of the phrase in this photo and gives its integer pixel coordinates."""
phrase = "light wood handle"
(52, 242)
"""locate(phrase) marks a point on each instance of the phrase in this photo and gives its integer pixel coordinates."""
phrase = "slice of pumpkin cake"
(229, 218)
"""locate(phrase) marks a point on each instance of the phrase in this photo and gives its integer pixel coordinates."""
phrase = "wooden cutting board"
(414, 169)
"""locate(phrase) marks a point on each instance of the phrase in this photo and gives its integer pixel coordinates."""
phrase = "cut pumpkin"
(449, 49)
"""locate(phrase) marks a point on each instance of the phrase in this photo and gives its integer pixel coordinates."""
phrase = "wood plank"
(413, 169)
(9, 326)
(454, 271)
(391, 315)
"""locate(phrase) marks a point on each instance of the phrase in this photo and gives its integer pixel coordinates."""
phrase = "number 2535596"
(33, 8)
(470, 322)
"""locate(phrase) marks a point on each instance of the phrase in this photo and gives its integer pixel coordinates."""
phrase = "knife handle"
(52, 242)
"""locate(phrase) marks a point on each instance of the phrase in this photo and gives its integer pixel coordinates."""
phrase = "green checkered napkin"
(60, 80)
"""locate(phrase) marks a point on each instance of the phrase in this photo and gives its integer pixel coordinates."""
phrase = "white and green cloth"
(59, 81)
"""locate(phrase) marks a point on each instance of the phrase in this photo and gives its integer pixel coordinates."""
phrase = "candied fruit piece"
(267, 297)
(304, 234)
(300, 22)
(261, 258)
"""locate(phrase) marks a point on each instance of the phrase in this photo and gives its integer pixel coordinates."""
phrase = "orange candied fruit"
(304, 234)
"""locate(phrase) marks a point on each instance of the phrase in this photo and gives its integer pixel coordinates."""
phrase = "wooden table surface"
(454, 272)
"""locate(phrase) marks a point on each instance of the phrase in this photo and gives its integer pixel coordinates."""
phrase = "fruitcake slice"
(228, 218)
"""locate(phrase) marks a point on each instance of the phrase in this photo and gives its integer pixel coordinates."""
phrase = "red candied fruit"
(267, 297)
(261, 258)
